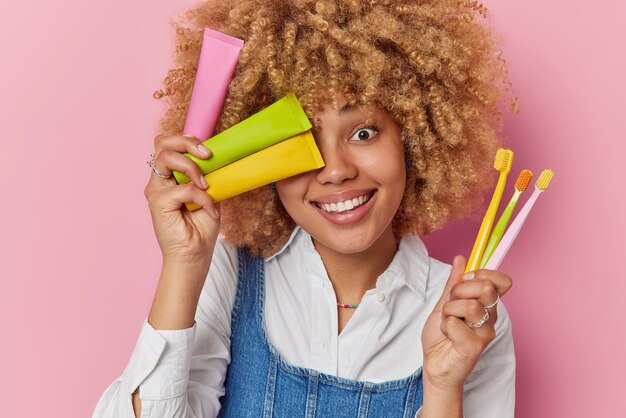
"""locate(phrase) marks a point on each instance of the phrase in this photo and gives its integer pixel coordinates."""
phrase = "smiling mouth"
(346, 205)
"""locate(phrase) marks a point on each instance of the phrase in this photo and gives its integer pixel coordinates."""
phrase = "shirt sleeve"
(180, 373)
(489, 391)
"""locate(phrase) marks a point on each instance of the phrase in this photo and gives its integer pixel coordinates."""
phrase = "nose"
(339, 165)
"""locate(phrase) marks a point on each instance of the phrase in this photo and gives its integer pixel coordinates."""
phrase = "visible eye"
(364, 134)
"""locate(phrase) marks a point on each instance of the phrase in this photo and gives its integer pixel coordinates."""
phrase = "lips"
(345, 205)
(346, 208)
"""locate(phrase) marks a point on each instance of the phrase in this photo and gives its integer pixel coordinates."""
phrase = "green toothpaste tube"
(281, 120)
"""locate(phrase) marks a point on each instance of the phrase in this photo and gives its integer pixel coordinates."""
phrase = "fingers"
(483, 291)
(467, 301)
(456, 329)
(463, 308)
(169, 160)
(469, 309)
(181, 143)
(468, 339)
(169, 157)
(173, 198)
(470, 342)
(501, 281)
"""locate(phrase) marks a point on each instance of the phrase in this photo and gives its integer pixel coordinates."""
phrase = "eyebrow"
(347, 108)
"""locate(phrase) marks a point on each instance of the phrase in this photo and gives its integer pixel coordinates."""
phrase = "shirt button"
(381, 297)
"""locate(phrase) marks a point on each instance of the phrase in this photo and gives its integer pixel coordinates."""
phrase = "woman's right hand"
(181, 234)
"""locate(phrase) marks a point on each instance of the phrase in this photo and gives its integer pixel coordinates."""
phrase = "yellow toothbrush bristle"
(504, 160)
(544, 179)
(523, 180)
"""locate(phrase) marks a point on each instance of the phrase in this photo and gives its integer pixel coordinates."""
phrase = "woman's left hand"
(453, 338)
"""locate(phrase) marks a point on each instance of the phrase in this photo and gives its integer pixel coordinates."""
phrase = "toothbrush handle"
(510, 235)
(485, 227)
(498, 230)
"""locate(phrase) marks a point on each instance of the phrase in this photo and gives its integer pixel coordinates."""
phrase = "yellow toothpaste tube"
(292, 156)
(277, 122)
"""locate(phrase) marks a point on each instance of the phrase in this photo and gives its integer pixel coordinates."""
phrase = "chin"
(346, 242)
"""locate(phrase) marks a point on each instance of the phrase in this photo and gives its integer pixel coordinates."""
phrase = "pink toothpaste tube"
(217, 63)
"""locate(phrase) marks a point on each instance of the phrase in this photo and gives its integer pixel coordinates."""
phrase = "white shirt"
(180, 373)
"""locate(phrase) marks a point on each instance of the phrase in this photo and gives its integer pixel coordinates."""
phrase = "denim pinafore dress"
(260, 384)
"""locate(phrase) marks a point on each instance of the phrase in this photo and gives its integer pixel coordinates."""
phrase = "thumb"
(458, 268)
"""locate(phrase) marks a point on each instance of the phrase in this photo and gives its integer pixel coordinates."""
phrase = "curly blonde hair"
(433, 65)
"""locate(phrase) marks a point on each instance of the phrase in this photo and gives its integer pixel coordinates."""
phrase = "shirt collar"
(411, 264)
(284, 247)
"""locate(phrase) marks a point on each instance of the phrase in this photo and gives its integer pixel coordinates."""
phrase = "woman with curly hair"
(318, 299)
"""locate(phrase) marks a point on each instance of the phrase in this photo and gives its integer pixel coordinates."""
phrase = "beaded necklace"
(344, 305)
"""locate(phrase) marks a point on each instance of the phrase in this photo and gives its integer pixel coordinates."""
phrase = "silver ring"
(151, 164)
(492, 305)
(479, 323)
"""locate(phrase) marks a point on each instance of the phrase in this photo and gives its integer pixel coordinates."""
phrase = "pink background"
(79, 264)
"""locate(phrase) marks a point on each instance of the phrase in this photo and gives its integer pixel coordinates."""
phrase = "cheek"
(398, 182)
(397, 163)
(394, 175)
(388, 167)
(293, 189)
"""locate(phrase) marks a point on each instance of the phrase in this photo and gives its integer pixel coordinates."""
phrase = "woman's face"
(348, 205)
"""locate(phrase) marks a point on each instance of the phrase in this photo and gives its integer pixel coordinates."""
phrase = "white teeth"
(345, 205)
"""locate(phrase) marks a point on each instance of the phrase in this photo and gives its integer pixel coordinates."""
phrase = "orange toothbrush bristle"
(523, 180)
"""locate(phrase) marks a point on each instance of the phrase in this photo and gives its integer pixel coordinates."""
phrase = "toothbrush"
(502, 163)
(523, 180)
(510, 235)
